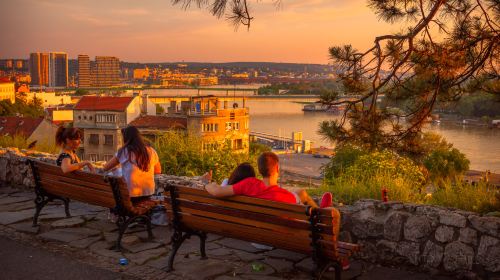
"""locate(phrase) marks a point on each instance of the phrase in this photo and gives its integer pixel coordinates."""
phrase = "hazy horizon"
(154, 31)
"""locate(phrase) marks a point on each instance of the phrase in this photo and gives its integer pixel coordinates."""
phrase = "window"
(105, 118)
(210, 127)
(94, 139)
(210, 146)
(108, 140)
(236, 125)
(107, 157)
(93, 157)
(232, 126)
(238, 144)
(231, 116)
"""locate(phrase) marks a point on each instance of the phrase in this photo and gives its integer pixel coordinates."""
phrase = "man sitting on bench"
(267, 188)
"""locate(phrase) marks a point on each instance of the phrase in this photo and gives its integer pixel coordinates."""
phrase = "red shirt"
(256, 188)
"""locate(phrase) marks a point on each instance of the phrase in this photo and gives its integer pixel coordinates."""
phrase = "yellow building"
(141, 74)
(48, 98)
(8, 91)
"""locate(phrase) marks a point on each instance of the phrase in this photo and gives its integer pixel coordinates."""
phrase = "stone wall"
(431, 238)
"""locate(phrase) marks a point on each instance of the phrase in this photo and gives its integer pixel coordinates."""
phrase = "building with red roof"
(33, 129)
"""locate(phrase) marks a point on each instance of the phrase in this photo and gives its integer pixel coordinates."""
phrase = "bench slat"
(208, 199)
(75, 192)
(254, 201)
(77, 175)
(82, 183)
(249, 217)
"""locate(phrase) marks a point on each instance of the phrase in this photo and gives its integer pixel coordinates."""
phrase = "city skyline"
(160, 32)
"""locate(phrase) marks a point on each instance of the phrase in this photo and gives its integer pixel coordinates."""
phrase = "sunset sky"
(155, 31)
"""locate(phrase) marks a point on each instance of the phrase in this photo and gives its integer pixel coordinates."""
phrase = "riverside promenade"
(79, 247)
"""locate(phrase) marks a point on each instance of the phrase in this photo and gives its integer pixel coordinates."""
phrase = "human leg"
(305, 198)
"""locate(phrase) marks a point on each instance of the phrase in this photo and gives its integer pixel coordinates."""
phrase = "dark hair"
(242, 171)
(134, 144)
(63, 134)
(266, 162)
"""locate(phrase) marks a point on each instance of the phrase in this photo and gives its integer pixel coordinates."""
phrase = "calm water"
(481, 145)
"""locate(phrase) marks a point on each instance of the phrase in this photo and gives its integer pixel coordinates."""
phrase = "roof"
(64, 107)
(24, 126)
(159, 122)
(103, 103)
(4, 80)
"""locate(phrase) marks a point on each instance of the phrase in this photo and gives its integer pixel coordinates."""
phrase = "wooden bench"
(293, 227)
(109, 192)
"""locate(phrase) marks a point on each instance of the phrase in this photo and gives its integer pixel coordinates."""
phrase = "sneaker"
(326, 200)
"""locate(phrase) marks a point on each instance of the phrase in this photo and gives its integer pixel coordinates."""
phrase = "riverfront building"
(106, 72)
(84, 79)
(49, 69)
(7, 91)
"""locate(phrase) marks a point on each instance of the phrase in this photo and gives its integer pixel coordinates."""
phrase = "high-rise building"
(84, 78)
(58, 69)
(107, 71)
(49, 69)
(39, 69)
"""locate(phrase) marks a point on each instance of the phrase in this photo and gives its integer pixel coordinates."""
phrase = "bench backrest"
(282, 225)
(85, 187)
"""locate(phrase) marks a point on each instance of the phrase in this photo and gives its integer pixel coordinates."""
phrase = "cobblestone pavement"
(88, 236)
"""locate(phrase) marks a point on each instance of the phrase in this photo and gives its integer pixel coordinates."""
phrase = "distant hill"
(270, 66)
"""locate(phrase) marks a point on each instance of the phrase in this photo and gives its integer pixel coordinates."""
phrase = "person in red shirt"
(267, 188)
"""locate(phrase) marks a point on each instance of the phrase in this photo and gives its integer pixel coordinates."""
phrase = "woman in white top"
(139, 163)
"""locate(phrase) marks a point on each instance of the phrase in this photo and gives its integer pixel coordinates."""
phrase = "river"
(280, 117)
(481, 145)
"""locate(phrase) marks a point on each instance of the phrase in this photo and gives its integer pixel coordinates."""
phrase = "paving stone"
(30, 195)
(68, 222)
(219, 252)
(129, 240)
(142, 257)
(161, 234)
(354, 271)
(238, 244)
(84, 243)
(248, 257)
(259, 277)
(284, 254)
(111, 237)
(14, 199)
(202, 269)
(225, 277)
(7, 218)
(69, 234)
(8, 190)
(142, 246)
(212, 237)
(384, 273)
(26, 227)
(192, 245)
(102, 225)
(250, 269)
(102, 248)
(158, 263)
(17, 206)
(279, 265)
(305, 265)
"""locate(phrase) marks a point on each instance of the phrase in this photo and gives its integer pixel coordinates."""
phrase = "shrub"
(345, 157)
(20, 142)
(446, 164)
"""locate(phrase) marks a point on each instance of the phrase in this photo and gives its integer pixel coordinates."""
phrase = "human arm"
(157, 168)
(112, 163)
(219, 191)
(67, 166)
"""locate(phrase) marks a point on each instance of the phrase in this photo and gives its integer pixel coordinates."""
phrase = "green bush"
(345, 157)
(20, 142)
(180, 154)
(446, 164)
(480, 198)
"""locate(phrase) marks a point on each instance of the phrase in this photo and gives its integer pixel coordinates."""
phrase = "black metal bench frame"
(125, 217)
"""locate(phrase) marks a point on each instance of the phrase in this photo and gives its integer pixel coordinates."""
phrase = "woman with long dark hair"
(139, 163)
(69, 140)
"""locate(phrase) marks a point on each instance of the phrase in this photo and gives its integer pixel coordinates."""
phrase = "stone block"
(444, 234)
(69, 234)
(468, 236)
(488, 225)
(142, 257)
(416, 228)
(409, 250)
(452, 219)
(69, 222)
(85, 243)
(238, 244)
(256, 268)
(7, 218)
(279, 265)
(394, 224)
(488, 253)
(458, 257)
(284, 254)
(433, 254)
